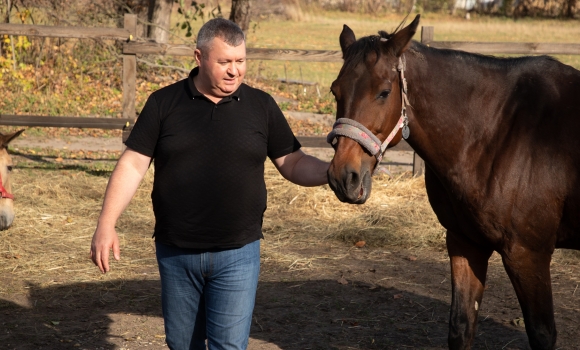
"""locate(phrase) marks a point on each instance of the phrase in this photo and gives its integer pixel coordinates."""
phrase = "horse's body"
(6, 197)
(500, 139)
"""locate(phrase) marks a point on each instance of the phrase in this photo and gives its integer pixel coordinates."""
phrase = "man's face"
(221, 67)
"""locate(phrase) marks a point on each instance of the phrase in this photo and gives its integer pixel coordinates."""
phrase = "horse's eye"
(10, 168)
(384, 94)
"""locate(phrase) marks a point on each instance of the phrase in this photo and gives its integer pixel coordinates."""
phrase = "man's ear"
(346, 38)
(197, 56)
(401, 40)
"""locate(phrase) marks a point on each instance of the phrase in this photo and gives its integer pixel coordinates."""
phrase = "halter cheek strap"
(358, 132)
(3, 192)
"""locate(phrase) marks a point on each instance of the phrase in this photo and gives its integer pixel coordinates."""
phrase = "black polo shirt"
(209, 190)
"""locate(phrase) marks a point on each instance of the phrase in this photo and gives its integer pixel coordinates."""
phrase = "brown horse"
(500, 140)
(6, 196)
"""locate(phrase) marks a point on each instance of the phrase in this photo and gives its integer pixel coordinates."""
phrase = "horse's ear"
(346, 38)
(401, 40)
(6, 138)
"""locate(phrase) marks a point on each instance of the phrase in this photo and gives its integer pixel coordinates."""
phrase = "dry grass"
(57, 210)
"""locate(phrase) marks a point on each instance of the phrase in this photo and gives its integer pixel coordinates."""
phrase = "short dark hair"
(221, 28)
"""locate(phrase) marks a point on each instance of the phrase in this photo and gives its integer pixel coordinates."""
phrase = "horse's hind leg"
(468, 271)
(530, 275)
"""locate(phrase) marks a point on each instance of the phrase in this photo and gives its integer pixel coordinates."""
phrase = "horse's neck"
(447, 100)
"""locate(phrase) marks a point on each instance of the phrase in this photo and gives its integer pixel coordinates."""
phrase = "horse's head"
(6, 197)
(368, 93)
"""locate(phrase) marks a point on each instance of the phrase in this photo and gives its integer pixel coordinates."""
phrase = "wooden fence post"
(129, 71)
(418, 162)
(427, 35)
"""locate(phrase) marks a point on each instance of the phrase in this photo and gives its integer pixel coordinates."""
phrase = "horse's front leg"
(529, 273)
(468, 272)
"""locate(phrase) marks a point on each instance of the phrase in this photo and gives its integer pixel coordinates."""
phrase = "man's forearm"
(310, 171)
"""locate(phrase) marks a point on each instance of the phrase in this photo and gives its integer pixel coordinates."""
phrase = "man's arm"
(302, 169)
(123, 184)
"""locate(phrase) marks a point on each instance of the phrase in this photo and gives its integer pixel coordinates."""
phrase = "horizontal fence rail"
(65, 122)
(509, 48)
(65, 32)
(153, 48)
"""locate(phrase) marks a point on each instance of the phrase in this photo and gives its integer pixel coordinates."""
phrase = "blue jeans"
(208, 295)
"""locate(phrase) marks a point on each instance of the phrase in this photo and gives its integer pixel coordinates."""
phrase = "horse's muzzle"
(350, 186)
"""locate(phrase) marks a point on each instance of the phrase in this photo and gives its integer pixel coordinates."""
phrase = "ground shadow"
(307, 314)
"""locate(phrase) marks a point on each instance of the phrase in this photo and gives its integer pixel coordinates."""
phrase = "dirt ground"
(324, 294)
(331, 297)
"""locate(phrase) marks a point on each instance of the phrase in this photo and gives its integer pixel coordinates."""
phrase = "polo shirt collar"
(196, 94)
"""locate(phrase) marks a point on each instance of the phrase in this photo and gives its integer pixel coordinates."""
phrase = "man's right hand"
(103, 241)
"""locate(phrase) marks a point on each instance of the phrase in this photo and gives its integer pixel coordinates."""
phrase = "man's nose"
(232, 69)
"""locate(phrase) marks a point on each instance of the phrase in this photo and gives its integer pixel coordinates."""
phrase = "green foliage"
(196, 11)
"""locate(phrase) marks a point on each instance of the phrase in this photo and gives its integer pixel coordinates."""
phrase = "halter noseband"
(3, 192)
(358, 132)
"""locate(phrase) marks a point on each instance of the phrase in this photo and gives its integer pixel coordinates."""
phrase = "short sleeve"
(281, 139)
(145, 133)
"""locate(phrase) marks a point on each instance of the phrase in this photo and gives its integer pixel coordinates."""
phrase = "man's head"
(221, 57)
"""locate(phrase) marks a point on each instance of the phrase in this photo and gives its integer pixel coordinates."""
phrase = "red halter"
(3, 192)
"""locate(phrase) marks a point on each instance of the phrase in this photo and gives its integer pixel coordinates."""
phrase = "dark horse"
(501, 142)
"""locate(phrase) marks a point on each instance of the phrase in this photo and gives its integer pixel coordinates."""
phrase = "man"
(209, 136)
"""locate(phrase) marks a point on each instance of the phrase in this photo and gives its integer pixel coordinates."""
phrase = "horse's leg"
(530, 275)
(468, 272)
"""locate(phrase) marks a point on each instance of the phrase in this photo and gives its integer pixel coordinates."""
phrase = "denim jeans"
(208, 295)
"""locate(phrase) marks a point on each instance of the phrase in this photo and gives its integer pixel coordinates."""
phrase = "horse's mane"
(490, 60)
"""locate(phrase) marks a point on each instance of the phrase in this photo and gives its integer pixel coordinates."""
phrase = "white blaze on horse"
(6, 196)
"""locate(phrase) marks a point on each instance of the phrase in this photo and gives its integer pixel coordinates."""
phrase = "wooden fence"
(132, 47)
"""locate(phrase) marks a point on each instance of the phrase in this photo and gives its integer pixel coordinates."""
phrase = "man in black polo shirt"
(209, 136)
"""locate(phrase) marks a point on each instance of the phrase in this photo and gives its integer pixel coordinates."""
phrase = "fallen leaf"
(412, 258)
(342, 280)
(397, 296)
(518, 322)
(360, 244)
(55, 322)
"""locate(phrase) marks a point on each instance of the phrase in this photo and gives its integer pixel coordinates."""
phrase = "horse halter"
(3, 192)
(358, 132)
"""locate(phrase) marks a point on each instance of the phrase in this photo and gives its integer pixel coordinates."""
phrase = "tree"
(160, 16)
(570, 8)
(241, 13)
